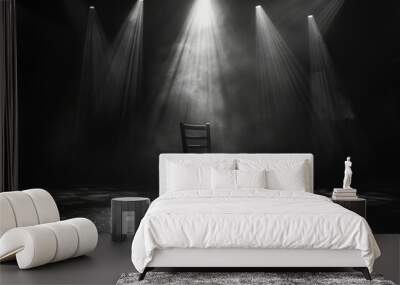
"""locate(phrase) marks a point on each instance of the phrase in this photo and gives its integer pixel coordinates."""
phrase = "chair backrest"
(26, 208)
(195, 138)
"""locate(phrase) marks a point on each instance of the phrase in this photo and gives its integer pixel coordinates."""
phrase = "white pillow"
(251, 178)
(189, 177)
(188, 174)
(281, 174)
(223, 179)
(226, 179)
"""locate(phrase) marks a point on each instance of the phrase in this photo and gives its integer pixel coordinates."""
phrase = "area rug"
(269, 278)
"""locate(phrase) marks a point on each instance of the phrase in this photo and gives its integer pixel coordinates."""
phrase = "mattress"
(251, 219)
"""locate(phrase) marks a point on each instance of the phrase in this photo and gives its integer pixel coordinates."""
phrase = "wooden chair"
(195, 138)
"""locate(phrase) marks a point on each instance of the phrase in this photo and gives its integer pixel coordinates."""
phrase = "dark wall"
(363, 42)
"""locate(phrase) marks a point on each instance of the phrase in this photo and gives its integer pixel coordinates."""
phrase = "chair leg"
(364, 271)
(143, 274)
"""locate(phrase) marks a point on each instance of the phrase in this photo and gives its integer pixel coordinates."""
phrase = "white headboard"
(308, 157)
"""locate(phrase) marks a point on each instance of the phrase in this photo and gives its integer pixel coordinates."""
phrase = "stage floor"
(383, 209)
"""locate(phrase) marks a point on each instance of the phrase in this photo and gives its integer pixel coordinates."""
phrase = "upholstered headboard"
(166, 157)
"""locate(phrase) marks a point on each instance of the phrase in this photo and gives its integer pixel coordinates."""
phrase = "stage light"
(258, 6)
(91, 7)
(310, 16)
(203, 11)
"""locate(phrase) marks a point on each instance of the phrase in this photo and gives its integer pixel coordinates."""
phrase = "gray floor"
(389, 262)
(110, 260)
(104, 266)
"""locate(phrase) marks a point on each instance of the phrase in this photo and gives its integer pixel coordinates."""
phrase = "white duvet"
(250, 219)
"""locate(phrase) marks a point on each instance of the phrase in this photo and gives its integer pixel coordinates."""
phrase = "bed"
(246, 211)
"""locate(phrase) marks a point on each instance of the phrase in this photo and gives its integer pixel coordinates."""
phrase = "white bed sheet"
(250, 218)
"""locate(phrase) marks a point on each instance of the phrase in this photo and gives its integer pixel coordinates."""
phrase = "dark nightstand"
(357, 205)
(126, 214)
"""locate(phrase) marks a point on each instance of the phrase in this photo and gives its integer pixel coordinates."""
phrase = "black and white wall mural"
(104, 84)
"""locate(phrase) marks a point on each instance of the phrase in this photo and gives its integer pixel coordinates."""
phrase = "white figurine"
(347, 174)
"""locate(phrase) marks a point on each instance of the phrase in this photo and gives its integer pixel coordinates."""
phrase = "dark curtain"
(8, 97)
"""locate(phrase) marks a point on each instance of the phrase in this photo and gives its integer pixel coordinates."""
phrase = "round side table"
(126, 214)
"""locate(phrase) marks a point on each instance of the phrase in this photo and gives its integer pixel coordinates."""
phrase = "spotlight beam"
(324, 84)
(280, 76)
(193, 86)
(330, 106)
(122, 85)
(327, 14)
(95, 62)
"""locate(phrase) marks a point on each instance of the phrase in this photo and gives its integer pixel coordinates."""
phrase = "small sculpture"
(348, 173)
